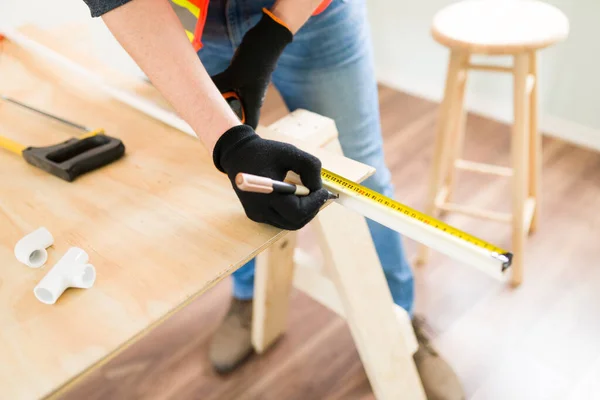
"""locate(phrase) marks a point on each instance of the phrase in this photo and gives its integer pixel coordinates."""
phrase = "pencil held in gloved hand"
(260, 184)
(241, 150)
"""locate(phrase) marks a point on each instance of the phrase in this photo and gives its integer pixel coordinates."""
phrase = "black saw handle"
(74, 157)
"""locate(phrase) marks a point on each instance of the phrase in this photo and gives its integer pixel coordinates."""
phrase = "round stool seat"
(499, 26)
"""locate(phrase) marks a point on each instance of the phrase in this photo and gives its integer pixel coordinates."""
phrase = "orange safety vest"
(192, 14)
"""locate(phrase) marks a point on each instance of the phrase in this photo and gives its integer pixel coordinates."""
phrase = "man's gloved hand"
(240, 149)
(249, 72)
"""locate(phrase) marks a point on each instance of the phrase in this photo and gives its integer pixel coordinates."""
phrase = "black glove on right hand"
(254, 61)
(240, 149)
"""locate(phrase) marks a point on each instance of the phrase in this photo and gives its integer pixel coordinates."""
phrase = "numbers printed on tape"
(343, 185)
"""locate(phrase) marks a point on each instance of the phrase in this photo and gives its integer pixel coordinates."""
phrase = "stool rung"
(483, 168)
(488, 67)
(475, 212)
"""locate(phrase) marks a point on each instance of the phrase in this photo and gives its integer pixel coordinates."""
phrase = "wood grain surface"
(538, 341)
(535, 342)
(161, 225)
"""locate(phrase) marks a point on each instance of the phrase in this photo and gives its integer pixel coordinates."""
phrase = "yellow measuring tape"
(342, 185)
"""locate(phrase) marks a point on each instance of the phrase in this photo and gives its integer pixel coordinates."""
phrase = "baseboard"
(570, 131)
(485, 106)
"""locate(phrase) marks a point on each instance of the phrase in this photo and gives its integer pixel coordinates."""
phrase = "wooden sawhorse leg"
(353, 266)
(385, 346)
(272, 287)
(354, 287)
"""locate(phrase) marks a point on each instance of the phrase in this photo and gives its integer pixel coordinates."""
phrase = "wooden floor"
(540, 341)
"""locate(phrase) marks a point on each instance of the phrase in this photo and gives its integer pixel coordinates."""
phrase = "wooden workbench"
(161, 225)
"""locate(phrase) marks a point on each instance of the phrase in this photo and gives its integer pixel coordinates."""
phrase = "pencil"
(260, 184)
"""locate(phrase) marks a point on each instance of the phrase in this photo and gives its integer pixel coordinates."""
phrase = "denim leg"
(328, 69)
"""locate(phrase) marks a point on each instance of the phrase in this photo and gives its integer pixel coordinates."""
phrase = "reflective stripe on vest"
(324, 4)
(192, 14)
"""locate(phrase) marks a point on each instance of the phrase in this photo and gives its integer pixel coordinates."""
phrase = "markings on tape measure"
(344, 185)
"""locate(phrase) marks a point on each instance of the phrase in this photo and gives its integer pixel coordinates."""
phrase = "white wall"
(43, 13)
(409, 59)
(55, 13)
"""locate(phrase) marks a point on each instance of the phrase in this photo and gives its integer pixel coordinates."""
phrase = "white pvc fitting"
(72, 270)
(31, 249)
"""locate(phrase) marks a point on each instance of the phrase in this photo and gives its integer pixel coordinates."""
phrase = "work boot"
(438, 379)
(231, 345)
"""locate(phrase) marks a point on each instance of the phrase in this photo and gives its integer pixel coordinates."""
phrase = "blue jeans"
(327, 69)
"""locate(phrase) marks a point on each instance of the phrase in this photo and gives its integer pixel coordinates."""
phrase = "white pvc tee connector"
(72, 270)
(31, 249)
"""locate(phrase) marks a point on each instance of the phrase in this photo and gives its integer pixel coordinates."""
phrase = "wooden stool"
(509, 27)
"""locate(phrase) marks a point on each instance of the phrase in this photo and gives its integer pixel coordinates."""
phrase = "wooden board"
(386, 353)
(161, 226)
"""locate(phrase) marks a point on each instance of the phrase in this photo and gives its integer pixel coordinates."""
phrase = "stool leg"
(457, 124)
(441, 146)
(535, 144)
(520, 163)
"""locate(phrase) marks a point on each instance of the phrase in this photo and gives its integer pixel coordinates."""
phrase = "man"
(320, 61)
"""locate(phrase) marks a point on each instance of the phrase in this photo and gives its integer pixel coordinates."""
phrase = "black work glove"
(249, 72)
(240, 149)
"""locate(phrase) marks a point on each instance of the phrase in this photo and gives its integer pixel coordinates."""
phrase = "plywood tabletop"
(161, 225)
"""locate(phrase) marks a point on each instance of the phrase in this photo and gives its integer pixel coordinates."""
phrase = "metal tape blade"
(425, 229)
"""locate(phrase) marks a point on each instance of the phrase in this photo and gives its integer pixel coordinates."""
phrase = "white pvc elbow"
(72, 270)
(31, 249)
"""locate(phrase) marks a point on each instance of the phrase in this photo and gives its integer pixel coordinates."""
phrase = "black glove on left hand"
(249, 72)
(242, 150)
